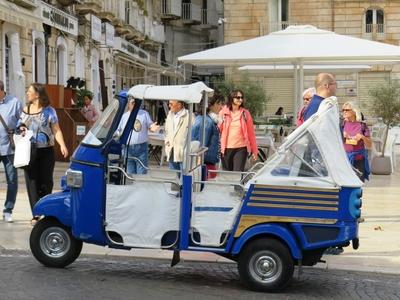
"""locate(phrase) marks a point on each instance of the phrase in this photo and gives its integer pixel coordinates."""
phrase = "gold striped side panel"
(246, 221)
(294, 188)
(289, 206)
(252, 198)
(260, 193)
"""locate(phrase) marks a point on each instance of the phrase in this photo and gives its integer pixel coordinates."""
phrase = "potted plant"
(80, 96)
(385, 105)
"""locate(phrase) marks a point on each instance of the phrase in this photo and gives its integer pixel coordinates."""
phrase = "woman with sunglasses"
(356, 137)
(237, 133)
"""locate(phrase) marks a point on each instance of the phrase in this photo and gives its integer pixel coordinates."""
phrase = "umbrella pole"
(296, 91)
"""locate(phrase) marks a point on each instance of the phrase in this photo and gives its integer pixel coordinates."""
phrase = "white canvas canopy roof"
(191, 93)
(319, 144)
(308, 69)
(297, 44)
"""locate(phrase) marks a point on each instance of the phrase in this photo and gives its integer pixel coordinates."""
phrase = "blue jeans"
(140, 151)
(12, 182)
(175, 165)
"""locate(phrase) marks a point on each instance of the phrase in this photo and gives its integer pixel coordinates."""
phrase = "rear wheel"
(53, 245)
(265, 265)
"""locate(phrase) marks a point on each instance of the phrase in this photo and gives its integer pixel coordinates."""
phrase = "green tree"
(256, 96)
(386, 105)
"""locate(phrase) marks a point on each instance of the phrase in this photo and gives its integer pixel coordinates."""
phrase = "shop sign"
(80, 130)
(109, 33)
(95, 28)
(131, 49)
(58, 19)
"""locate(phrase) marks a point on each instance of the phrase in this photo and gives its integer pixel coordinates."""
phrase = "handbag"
(23, 154)
(10, 133)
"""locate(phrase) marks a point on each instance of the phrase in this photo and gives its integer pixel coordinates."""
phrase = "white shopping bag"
(22, 154)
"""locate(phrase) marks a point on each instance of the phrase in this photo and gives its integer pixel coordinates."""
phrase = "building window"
(7, 64)
(62, 61)
(278, 14)
(79, 62)
(127, 11)
(14, 77)
(39, 57)
(374, 21)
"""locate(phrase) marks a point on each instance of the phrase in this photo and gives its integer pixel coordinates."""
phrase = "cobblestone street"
(99, 277)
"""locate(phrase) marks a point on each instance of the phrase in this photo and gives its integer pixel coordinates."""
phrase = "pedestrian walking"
(137, 149)
(41, 118)
(10, 111)
(356, 139)
(238, 138)
(211, 133)
(176, 128)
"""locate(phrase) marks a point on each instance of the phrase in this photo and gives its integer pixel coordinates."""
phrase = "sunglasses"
(307, 99)
(238, 97)
(344, 110)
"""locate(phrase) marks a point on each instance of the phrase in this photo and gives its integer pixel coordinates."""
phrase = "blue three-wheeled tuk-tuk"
(277, 215)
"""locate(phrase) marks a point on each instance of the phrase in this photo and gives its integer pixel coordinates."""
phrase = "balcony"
(275, 26)
(132, 33)
(106, 16)
(89, 7)
(26, 3)
(209, 19)
(171, 9)
(374, 31)
(69, 2)
(191, 13)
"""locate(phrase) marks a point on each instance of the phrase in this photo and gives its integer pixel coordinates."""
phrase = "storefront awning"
(14, 14)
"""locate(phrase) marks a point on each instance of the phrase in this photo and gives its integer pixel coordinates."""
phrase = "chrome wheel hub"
(265, 267)
(55, 242)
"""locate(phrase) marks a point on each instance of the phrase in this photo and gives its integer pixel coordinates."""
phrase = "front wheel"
(53, 245)
(265, 265)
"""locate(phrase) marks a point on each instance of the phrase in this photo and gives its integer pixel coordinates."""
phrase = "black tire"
(53, 245)
(265, 265)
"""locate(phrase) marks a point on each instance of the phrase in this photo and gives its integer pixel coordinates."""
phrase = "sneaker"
(7, 217)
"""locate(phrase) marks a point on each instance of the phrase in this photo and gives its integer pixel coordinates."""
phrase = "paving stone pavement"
(379, 239)
(97, 277)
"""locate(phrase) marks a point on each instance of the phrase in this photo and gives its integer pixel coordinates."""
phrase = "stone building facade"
(108, 44)
(374, 20)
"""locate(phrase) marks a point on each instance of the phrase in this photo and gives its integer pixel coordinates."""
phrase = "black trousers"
(39, 174)
(234, 159)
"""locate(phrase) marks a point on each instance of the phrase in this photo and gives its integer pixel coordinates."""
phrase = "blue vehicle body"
(326, 218)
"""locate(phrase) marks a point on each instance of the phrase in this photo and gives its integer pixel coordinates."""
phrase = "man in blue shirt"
(10, 111)
(325, 85)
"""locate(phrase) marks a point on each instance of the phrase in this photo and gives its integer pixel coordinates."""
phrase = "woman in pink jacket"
(237, 133)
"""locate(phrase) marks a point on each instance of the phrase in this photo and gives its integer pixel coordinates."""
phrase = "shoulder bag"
(10, 133)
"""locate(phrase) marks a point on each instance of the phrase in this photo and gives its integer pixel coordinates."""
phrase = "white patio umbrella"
(308, 69)
(298, 45)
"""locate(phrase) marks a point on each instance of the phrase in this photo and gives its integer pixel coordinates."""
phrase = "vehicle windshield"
(98, 133)
(302, 159)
